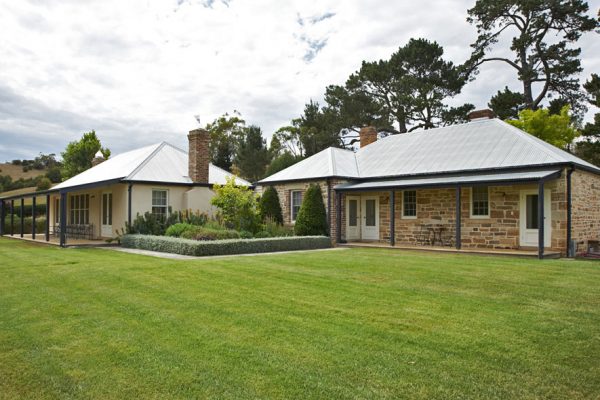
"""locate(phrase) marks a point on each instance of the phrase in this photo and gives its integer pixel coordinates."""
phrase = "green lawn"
(360, 323)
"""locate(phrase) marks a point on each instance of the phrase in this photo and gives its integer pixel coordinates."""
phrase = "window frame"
(292, 205)
(165, 206)
(402, 214)
(79, 210)
(472, 205)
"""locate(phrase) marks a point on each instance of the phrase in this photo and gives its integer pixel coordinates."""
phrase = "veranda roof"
(453, 180)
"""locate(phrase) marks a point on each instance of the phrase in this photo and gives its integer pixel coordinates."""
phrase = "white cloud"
(138, 71)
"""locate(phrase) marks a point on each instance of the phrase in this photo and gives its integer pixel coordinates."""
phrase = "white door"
(106, 223)
(370, 217)
(529, 220)
(352, 218)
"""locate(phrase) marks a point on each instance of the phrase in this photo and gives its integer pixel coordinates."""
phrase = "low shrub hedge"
(223, 247)
(40, 224)
(203, 233)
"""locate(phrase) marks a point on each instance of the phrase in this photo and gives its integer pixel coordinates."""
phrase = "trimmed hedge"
(223, 247)
(40, 224)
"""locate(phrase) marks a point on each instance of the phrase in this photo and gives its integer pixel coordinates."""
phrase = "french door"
(529, 220)
(353, 218)
(370, 217)
(107, 209)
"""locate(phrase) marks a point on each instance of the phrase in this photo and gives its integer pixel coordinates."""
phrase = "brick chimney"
(368, 135)
(198, 155)
(478, 115)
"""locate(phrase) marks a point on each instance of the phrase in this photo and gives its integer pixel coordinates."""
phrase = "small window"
(409, 204)
(159, 203)
(480, 204)
(295, 203)
(80, 209)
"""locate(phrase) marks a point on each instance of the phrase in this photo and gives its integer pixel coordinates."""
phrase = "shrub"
(269, 207)
(237, 206)
(151, 224)
(216, 234)
(40, 224)
(312, 217)
(276, 230)
(223, 247)
(246, 235)
(177, 229)
(263, 234)
(44, 184)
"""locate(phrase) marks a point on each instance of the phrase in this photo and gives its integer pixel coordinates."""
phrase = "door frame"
(353, 232)
(523, 231)
(365, 231)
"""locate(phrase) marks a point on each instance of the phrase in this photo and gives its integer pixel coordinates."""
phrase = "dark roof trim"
(166, 183)
(456, 183)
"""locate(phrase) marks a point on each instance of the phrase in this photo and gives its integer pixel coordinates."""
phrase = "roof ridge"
(146, 161)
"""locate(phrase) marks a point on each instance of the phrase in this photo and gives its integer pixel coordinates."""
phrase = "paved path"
(184, 257)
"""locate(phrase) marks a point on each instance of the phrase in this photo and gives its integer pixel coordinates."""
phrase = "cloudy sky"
(139, 71)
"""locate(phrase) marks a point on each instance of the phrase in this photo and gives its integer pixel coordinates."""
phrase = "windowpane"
(370, 212)
(80, 212)
(480, 201)
(532, 211)
(159, 203)
(409, 207)
(296, 202)
(352, 212)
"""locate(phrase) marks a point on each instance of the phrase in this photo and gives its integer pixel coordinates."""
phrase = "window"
(480, 202)
(295, 203)
(409, 204)
(159, 203)
(352, 212)
(80, 209)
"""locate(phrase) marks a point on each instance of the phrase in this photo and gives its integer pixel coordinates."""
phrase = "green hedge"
(40, 224)
(223, 247)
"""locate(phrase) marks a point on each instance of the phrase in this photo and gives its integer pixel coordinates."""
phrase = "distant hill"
(16, 171)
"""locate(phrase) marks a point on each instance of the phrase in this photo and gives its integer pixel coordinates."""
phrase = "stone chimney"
(198, 155)
(478, 115)
(98, 158)
(368, 135)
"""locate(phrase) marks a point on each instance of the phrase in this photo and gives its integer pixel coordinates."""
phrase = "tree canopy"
(542, 35)
(589, 147)
(555, 129)
(79, 154)
(252, 155)
(225, 133)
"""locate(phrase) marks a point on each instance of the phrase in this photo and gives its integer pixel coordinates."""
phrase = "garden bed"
(224, 247)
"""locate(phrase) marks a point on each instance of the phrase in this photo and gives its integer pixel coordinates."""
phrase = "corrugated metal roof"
(474, 146)
(329, 162)
(161, 162)
(449, 180)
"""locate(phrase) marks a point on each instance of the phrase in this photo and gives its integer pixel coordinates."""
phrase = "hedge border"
(224, 247)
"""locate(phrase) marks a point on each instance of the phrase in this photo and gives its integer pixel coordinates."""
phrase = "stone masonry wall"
(585, 202)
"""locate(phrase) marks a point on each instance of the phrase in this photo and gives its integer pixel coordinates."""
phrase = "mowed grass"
(360, 323)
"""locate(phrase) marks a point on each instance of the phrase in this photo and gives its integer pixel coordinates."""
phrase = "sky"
(140, 72)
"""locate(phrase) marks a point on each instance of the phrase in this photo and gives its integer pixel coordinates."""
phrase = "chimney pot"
(198, 155)
(368, 135)
(481, 114)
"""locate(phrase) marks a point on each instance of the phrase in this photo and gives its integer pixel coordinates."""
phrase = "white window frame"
(292, 219)
(80, 209)
(152, 205)
(487, 216)
(402, 216)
